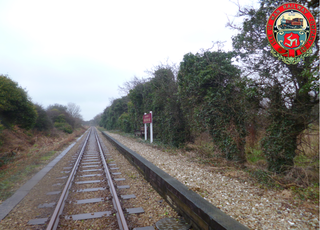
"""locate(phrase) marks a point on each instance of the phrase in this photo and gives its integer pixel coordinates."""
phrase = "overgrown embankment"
(23, 153)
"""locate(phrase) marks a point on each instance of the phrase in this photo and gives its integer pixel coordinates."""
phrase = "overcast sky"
(77, 51)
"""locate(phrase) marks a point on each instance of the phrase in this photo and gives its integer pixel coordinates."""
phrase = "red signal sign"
(147, 118)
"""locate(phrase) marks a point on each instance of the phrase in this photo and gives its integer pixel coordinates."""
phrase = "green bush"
(124, 122)
(65, 127)
(43, 122)
(58, 113)
(15, 106)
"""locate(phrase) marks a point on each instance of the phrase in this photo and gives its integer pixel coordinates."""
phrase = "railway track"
(89, 196)
(78, 193)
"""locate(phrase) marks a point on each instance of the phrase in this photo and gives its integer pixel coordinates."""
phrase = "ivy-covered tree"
(16, 107)
(169, 121)
(291, 91)
(110, 117)
(157, 94)
(210, 93)
(140, 102)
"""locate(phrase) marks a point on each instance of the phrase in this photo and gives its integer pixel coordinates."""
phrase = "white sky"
(78, 51)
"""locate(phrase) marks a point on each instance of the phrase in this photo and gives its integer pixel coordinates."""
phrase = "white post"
(145, 130)
(151, 131)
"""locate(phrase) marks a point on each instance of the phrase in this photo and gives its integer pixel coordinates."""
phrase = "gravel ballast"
(155, 208)
(250, 205)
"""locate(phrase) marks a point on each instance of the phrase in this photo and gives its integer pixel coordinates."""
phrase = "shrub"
(15, 106)
(43, 122)
(65, 127)
(124, 123)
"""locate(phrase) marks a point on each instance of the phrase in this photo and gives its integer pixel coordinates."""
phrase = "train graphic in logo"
(295, 23)
(291, 31)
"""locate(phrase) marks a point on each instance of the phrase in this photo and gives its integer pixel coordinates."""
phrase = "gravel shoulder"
(250, 205)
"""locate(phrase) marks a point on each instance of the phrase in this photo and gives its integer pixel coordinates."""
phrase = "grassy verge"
(29, 159)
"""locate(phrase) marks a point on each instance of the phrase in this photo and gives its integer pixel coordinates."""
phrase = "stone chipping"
(252, 206)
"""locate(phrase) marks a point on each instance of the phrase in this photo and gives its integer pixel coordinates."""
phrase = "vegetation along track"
(89, 194)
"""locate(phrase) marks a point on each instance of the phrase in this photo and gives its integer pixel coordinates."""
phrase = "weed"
(100, 128)
(254, 155)
(47, 156)
(5, 159)
(263, 177)
(132, 175)
(28, 133)
(306, 160)
(310, 193)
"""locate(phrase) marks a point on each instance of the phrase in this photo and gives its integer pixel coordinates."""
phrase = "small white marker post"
(151, 130)
(145, 130)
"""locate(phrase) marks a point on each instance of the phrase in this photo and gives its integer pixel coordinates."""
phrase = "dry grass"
(304, 176)
(23, 153)
(309, 142)
(302, 179)
(202, 145)
(306, 168)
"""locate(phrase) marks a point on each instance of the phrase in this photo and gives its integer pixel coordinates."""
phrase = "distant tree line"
(16, 108)
(209, 93)
(93, 122)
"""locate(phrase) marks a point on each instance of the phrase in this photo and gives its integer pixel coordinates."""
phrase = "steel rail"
(53, 224)
(115, 200)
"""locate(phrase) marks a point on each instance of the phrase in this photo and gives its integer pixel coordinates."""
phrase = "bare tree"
(74, 111)
(129, 85)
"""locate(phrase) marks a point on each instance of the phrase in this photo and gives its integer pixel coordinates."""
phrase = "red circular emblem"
(291, 31)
